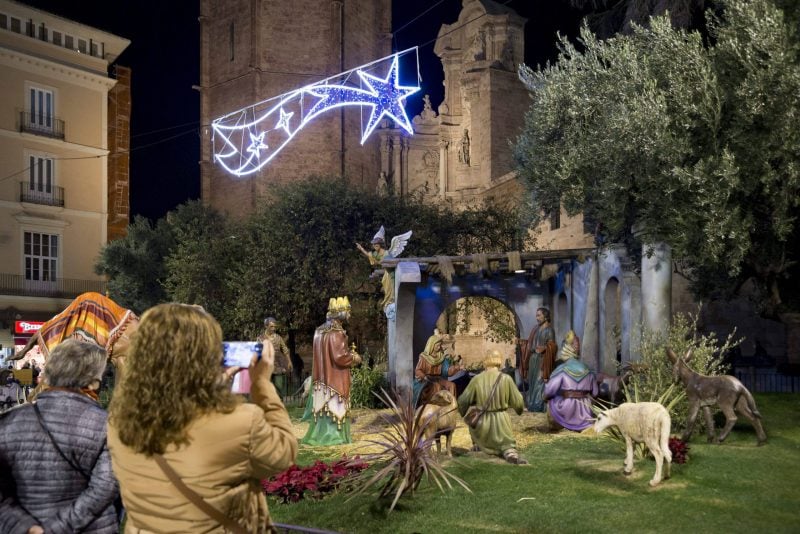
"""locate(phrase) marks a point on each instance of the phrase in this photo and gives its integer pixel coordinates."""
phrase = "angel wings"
(398, 244)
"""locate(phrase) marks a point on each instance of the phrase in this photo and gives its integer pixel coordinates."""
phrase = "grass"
(574, 483)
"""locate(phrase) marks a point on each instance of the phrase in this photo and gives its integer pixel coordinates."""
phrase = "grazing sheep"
(641, 422)
(440, 417)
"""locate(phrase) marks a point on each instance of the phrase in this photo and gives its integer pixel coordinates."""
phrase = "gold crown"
(338, 304)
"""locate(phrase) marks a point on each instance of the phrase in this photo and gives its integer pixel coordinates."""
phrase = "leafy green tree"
(299, 250)
(656, 136)
(135, 265)
(204, 250)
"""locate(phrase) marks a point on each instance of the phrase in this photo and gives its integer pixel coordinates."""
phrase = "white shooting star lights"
(251, 137)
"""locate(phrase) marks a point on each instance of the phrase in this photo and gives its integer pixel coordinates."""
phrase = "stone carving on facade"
(428, 116)
(477, 47)
(463, 148)
(383, 185)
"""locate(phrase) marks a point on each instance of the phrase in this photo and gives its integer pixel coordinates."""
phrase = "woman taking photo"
(189, 455)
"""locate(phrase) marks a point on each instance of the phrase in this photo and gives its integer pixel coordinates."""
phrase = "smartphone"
(240, 353)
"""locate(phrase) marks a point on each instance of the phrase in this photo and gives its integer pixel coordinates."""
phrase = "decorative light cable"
(246, 140)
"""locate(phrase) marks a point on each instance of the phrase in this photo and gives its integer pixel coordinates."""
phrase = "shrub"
(315, 480)
(405, 457)
(367, 382)
(679, 450)
(652, 376)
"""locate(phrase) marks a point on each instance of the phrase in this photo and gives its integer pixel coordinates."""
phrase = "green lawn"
(574, 483)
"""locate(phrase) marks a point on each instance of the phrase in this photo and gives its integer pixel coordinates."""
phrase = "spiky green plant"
(405, 458)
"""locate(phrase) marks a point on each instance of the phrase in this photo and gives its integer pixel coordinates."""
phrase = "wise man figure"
(538, 359)
(570, 390)
(330, 396)
(283, 360)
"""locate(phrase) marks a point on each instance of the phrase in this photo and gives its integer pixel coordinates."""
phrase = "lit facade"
(54, 88)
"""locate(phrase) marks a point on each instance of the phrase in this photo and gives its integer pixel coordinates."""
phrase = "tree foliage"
(299, 249)
(659, 136)
(288, 259)
(135, 265)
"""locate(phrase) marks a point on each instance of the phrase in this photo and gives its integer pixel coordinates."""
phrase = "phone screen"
(238, 353)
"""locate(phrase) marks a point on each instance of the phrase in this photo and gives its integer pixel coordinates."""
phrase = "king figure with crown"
(330, 394)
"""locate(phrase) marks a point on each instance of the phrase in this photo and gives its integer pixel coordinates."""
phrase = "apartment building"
(54, 158)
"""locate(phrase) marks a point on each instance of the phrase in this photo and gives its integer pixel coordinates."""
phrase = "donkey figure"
(706, 391)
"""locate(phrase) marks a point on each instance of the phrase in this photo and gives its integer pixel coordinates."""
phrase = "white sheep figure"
(641, 422)
(440, 417)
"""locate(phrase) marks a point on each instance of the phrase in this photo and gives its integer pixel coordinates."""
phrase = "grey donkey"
(706, 391)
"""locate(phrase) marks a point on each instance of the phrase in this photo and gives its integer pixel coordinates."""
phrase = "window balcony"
(65, 288)
(40, 124)
(54, 197)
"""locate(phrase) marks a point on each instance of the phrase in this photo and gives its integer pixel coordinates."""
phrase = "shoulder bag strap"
(55, 445)
(196, 499)
(491, 393)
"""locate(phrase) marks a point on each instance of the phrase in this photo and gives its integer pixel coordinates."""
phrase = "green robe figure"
(283, 359)
(494, 433)
(330, 388)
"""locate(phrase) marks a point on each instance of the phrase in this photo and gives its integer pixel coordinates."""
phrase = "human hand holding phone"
(261, 368)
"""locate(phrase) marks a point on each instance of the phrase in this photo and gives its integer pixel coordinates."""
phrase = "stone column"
(443, 167)
(656, 287)
(396, 166)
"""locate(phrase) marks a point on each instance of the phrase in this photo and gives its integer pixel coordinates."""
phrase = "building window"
(42, 32)
(555, 219)
(82, 46)
(41, 108)
(57, 38)
(3, 21)
(40, 175)
(16, 25)
(69, 42)
(41, 257)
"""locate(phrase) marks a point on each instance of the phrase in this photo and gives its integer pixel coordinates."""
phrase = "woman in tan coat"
(173, 403)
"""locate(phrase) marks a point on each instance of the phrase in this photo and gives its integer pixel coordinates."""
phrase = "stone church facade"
(459, 152)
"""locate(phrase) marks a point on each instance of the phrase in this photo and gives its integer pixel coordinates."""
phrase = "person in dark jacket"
(56, 470)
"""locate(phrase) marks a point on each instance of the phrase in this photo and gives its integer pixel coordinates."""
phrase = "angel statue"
(379, 254)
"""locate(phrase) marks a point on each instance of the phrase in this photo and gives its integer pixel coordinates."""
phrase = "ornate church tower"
(462, 154)
(252, 50)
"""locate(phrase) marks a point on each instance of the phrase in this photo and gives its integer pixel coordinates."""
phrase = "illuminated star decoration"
(283, 122)
(239, 145)
(257, 144)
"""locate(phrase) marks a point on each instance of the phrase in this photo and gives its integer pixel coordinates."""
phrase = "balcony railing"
(53, 198)
(39, 124)
(16, 284)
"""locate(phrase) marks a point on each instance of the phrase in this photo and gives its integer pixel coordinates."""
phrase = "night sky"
(164, 58)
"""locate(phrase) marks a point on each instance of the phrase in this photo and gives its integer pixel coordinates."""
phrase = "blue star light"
(386, 97)
(391, 99)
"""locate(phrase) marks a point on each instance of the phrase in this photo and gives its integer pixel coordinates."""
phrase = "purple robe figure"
(569, 393)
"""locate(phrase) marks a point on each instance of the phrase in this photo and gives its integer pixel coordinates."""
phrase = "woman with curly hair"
(189, 454)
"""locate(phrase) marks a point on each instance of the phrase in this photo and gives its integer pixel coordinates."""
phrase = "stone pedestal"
(401, 327)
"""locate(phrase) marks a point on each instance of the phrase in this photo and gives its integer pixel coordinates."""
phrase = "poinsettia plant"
(314, 481)
(679, 450)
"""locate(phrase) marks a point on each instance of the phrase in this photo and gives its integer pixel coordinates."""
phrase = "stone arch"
(421, 298)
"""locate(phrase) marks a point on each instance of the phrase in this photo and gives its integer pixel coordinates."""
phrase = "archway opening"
(480, 325)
